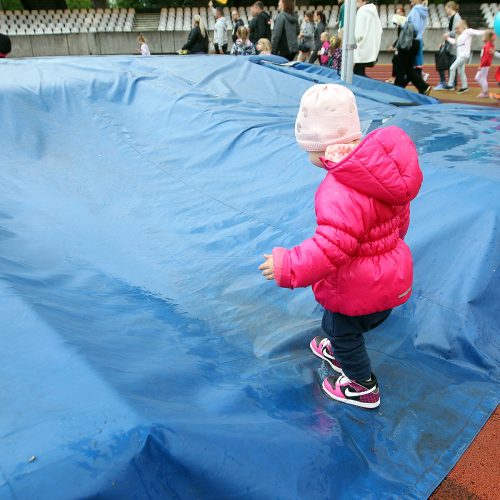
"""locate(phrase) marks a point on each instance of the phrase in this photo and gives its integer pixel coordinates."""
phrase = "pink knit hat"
(328, 115)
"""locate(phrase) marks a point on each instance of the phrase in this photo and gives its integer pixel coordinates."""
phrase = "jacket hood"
(292, 18)
(264, 14)
(370, 8)
(384, 166)
(421, 10)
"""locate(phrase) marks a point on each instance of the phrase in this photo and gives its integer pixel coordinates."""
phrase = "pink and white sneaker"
(322, 348)
(351, 392)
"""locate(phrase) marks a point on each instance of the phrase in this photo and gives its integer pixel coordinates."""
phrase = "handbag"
(443, 58)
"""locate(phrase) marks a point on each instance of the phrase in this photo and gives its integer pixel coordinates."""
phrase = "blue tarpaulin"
(142, 355)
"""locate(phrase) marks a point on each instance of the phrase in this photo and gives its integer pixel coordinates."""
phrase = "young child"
(463, 43)
(243, 46)
(324, 53)
(306, 37)
(485, 64)
(335, 61)
(143, 45)
(263, 47)
(357, 262)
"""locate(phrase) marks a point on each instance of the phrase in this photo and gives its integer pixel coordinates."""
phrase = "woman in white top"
(143, 45)
(368, 33)
(463, 43)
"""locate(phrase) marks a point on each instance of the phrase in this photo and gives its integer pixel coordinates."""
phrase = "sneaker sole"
(334, 368)
(359, 404)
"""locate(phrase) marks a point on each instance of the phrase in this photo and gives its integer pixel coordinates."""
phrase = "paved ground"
(383, 71)
(477, 474)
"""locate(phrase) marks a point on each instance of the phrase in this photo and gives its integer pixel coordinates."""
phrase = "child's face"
(400, 11)
(324, 38)
(314, 158)
(259, 47)
(460, 28)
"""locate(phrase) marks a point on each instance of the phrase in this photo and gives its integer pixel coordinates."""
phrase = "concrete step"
(146, 22)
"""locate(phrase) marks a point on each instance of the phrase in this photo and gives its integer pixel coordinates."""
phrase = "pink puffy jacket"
(357, 260)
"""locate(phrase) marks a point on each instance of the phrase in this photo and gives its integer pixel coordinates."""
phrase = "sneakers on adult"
(464, 90)
(322, 348)
(482, 95)
(428, 90)
(448, 87)
(440, 86)
(364, 395)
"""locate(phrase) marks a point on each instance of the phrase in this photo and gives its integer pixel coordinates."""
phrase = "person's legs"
(482, 79)
(349, 344)
(442, 77)
(360, 69)
(461, 72)
(416, 78)
(403, 65)
(314, 56)
(224, 48)
(453, 73)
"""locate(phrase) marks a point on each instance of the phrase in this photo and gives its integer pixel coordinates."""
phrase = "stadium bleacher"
(179, 19)
(66, 21)
(489, 11)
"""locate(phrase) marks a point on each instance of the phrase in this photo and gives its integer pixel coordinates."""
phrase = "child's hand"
(268, 267)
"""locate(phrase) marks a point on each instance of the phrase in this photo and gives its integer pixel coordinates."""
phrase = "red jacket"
(357, 262)
(487, 54)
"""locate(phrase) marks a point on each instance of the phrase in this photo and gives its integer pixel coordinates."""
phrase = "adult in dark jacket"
(286, 30)
(197, 42)
(406, 72)
(320, 20)
(5, 45)
(237, 22)
(260, 25)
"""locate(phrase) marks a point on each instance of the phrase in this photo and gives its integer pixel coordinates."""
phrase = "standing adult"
(418, 16)
(5, 46)
(220, 30)
(451, 9)
(405, 71)
(368, 34)
(197, 42)
(341, 14)
(286, 30)
(320, 20)
(237, 22)
(260, 25)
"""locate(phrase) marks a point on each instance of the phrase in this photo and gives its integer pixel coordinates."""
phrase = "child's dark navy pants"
(346, 335)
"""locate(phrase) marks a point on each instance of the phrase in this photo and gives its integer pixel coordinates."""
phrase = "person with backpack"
(418, 16)
(286, 30)
(260, 25)
(408, 47)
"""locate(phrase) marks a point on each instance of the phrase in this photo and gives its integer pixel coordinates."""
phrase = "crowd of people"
(311, 41)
